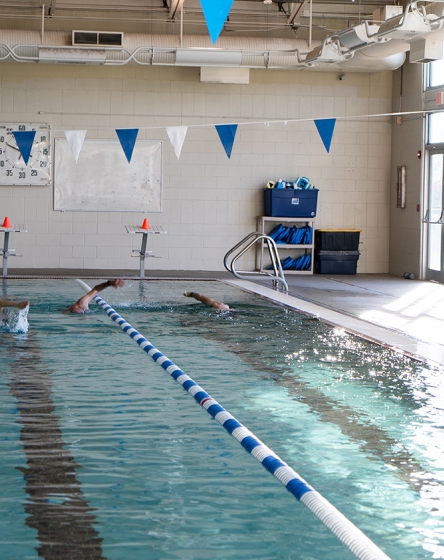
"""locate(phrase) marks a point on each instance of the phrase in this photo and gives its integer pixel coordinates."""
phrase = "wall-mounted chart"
(103, 180)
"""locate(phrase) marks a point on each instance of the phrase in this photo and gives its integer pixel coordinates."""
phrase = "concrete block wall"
(210, 202)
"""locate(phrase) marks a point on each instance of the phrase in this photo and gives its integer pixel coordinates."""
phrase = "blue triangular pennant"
(227, 133)
(127, 137)
(216, 13)
(325, 128)
(25, 140)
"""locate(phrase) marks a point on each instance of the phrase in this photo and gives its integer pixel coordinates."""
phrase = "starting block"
(143, 253)
(6, 251)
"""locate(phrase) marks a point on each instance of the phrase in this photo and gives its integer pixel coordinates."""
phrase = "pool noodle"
(352, 537)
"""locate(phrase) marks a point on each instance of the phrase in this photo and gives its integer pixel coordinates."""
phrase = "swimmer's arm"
(116, 283)
(208, 301)
(8, 303)
(81, 305)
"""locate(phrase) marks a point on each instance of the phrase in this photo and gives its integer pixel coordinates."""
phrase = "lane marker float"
(352, 537)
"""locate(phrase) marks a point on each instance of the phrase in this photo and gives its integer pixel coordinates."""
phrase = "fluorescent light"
(71, 55)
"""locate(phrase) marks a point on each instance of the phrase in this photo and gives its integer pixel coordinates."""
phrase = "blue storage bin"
(290, 203)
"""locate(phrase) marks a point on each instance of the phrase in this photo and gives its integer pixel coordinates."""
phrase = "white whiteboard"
(103, 180)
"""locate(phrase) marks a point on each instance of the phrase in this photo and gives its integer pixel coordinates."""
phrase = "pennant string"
(287, 121)
(177, 134)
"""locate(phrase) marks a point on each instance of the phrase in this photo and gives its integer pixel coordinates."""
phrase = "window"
(436, 128)
(436, 73)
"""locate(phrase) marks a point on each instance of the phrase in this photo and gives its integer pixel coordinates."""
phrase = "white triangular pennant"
(75, 140)
(177, 134)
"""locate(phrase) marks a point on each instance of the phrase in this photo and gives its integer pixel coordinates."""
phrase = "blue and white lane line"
(352, 537)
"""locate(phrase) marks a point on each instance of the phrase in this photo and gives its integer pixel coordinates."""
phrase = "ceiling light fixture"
(208, 57)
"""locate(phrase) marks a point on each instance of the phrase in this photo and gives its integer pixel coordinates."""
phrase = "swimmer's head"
(229, 311)
(75, 308)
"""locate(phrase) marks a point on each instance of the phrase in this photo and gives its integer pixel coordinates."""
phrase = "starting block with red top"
(6, 252)
(145, 229)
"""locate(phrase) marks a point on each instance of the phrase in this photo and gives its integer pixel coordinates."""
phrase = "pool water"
(104, 455)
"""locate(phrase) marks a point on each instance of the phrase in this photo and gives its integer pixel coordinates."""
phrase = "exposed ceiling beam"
(176, 7)
(51, 7)
(298, 8)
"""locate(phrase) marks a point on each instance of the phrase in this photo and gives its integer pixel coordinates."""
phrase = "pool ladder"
(251, 239)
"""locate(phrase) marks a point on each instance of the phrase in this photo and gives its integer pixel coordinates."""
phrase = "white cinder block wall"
(210, 202)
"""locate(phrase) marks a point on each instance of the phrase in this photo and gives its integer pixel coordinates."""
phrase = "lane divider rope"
(352, 537)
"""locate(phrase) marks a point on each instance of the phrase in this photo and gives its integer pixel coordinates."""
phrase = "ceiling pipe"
(43, 23)
(181, 25)
(253, 57)
(310, 28)
(336, 51)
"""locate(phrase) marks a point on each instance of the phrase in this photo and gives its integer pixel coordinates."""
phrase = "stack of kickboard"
(293, 236)
(301, 263)
(336, 251)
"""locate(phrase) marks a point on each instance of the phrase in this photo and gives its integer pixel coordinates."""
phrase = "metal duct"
(357, 37)
(154, 49)
(382, 46)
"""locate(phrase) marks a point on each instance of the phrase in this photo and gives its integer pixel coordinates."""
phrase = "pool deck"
(407, 315)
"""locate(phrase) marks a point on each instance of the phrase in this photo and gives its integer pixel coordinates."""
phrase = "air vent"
(97, 38)
(426, 50)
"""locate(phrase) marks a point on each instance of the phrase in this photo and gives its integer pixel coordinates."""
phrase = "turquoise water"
(105, 456)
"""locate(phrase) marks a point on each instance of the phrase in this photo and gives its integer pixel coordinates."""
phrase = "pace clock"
(14, 170)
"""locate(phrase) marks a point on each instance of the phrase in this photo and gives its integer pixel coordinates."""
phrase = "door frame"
(432, 274)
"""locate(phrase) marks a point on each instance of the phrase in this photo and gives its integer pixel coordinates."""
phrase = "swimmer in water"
(208, 301)
(81, 305)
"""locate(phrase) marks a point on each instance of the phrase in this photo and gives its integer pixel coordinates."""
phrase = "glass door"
(435, 217)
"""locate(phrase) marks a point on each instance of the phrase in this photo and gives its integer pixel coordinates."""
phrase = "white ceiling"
(249, 18)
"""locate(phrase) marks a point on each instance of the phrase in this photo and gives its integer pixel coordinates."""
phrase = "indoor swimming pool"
(105, 456)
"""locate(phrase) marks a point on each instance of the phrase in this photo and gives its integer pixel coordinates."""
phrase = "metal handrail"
(248, 241)
(439, 221)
